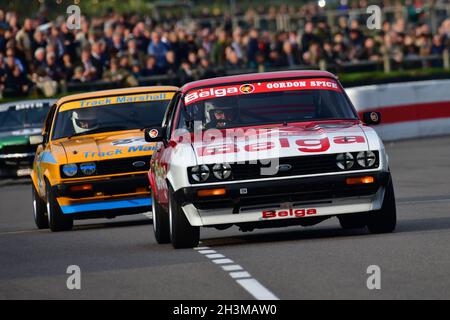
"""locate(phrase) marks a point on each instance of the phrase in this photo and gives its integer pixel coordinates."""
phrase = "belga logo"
(247, 88)
(209, 93)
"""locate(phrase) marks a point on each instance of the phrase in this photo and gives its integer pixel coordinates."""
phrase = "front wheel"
(385, 219)
(161, 226)
(40, 217)
(56, 219)
(182, 234)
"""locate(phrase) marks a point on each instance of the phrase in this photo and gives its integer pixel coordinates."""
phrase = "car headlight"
(345, 161)
(200, 173)
(70, 169)
(88, 168)
(366, 159)
(222, 171)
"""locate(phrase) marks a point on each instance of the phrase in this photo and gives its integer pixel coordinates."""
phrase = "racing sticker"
(261, 87)
(131, 141)
(122, 99)
(293, 213)
(153, 133)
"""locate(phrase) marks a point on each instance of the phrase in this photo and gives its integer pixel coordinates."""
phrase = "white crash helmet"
(212, 106)
(84, 120)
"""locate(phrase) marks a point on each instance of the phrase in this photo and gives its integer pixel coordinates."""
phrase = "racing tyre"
(385, 219)
(40, 217)
(160, 222)
(56, 219)
(353, 221)
(182, 234)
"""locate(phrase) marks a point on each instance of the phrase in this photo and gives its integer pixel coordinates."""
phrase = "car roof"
(257, 76)
(112, 92)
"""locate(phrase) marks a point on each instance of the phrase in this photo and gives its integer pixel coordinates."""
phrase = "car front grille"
(298, 166)
(122, 165)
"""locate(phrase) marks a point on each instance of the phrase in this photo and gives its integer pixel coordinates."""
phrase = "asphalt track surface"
(119, 259)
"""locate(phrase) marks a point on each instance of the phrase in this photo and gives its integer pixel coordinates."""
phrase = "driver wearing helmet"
(217, 116)
(84, 120)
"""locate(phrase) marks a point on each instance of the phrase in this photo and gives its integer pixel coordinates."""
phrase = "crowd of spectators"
(124, 48)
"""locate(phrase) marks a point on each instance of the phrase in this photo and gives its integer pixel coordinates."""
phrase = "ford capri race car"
(267, 150)
(92, 160)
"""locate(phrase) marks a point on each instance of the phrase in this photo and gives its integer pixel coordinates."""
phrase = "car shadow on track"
(403, 226)
(115, 224)
(286, 235)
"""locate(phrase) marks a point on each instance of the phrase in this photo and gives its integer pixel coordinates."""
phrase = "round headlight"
(200, 173)
(366, 159)
(222, 171)
(345, 161)
(88, 168)
(70, 169)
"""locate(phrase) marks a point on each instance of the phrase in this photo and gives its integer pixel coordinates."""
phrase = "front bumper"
(107, 197)
(246, 201)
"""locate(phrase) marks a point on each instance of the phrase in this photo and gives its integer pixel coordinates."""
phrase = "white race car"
(267, 150)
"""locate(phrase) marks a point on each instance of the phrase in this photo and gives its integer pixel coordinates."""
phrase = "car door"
(161, 157)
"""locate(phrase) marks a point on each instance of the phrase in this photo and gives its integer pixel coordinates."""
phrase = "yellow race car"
(92, 160)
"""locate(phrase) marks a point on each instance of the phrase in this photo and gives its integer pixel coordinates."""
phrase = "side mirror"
(36, 140)
(372, 117)
(154, 134)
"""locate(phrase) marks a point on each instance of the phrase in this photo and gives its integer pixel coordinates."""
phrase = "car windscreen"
(115, 117)
(265, 103)
(22, 116)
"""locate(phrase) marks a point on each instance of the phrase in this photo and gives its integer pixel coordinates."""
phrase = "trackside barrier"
(408, 110)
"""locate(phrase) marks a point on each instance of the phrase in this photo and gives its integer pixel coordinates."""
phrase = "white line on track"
(236, 272)
(148, 214)
(22, 231)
